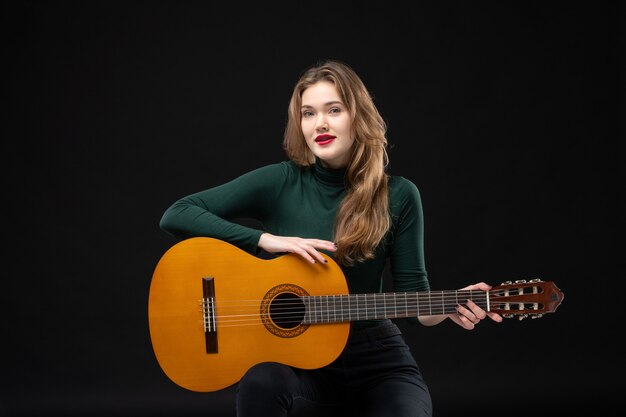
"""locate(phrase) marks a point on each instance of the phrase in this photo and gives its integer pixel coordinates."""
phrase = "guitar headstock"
(523, 298)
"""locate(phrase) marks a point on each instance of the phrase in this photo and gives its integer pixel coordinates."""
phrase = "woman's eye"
(335, 110)
(307, 113)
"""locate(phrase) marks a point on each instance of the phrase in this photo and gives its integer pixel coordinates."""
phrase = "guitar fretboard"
(374, 306)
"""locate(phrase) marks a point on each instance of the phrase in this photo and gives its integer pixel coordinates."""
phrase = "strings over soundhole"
(287, 310)
(283, 310)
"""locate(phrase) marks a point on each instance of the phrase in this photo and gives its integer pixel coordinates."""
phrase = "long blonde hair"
(363, 218)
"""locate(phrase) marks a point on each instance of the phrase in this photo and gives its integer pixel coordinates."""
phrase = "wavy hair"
(362, 219)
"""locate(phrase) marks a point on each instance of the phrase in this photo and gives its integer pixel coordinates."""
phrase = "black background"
(506, 116)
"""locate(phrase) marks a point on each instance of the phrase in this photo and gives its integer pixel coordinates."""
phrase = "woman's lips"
(324, 139)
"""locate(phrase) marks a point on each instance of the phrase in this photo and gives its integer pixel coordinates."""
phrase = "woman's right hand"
(307, 248)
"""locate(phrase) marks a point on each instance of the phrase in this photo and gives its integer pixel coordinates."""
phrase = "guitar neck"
(375, 306)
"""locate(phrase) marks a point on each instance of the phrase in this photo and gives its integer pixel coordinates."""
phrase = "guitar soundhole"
(287, 311)
(282, 310)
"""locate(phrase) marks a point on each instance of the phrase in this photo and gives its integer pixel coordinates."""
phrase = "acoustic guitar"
(215, 311)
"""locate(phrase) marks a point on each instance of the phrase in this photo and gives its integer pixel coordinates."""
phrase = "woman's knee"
(264, 390)
(268, 377)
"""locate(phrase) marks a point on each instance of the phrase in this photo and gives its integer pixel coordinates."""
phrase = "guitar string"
(374, 297)
(326, 316)
(331, 302)
(296, 310)
(323, 315)
(258, 320)
(344, 307)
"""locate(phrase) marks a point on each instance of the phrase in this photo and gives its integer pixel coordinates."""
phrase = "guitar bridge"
(208, 313)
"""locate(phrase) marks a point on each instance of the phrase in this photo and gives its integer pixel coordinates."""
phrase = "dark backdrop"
(507, 117)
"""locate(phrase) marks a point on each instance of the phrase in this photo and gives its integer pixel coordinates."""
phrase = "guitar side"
(244, 337)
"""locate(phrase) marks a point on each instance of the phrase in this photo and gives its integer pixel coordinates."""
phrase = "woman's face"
(327, 125)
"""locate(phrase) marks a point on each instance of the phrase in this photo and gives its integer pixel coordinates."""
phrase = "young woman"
(332, 196)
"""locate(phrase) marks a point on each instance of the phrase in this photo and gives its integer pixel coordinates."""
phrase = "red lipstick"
(324, 139)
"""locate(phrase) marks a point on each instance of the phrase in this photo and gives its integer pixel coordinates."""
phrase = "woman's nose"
(322, 125)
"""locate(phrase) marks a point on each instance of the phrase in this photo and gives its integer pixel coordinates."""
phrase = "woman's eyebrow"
(330, 103)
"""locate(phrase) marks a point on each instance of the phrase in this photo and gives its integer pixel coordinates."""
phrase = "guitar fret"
(421, 309)
(395, 306)
(406, 306)
(305, 301)
(318, 311)
(375, 305)
(362, 311)
(375, 311)
(444, 303)
(384, 313)
(364, 305)
(327, 309)
(433, 303)
(418, 307)
(349, 297)
(430, 305)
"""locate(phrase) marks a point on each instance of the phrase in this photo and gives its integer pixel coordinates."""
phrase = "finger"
(324, 244)
(312, 255)
(495, 317)
(467, 314)
(462, 321)
(478, 312)
(318, 256)
(303, 253)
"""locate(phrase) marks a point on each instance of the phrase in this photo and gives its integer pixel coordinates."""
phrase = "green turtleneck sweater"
(289, 200)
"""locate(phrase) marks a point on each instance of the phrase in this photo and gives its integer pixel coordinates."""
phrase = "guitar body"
(243, 332)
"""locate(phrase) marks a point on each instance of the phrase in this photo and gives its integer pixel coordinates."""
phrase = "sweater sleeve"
(407, 262)
(212, 212)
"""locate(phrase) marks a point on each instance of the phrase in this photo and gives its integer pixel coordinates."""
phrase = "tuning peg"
(507, 283)
(520, 281)
(522, 316)
(508, 316)
(535, 280)
(536, 316)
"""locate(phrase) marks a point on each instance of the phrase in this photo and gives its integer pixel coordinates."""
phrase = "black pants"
(375, 376)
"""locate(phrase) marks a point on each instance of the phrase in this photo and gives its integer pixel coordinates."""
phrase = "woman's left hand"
(470, 314)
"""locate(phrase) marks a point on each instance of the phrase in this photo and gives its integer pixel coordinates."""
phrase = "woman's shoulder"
(281, 168)
(404, 197)
(276, 173)
(402, 187)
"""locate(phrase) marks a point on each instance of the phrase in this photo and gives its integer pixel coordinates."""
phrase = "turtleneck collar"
(330, 176)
